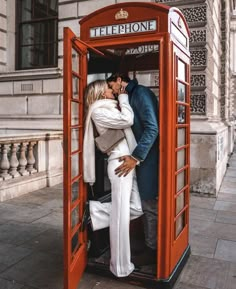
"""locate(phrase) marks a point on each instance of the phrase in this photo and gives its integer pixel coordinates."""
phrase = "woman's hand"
(126, 167)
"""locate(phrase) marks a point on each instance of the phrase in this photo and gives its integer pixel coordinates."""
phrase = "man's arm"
(129, 163)
(147, 113)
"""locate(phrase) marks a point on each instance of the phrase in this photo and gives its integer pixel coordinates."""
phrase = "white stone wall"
(233, 61)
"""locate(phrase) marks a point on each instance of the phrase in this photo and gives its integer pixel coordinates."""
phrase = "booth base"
(138, 277)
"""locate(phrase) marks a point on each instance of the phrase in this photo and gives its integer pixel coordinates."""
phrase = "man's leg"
(149, 254)
(150, 223)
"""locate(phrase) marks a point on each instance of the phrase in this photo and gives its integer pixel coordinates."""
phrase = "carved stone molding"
(181, 2)
(195, 14)
(198, 36)
(198, 104)
(199, 57)
(198, 80)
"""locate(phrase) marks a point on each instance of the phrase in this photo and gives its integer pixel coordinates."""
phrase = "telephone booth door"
(75, 192)
(151, 43)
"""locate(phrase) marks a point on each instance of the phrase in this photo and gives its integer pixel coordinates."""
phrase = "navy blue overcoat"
(145, 128)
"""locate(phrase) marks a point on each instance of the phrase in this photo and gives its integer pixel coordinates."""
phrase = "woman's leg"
(135, 201)
(100, 212)
(121, 187)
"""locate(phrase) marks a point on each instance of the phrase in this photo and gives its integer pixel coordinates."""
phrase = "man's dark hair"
(114, 77)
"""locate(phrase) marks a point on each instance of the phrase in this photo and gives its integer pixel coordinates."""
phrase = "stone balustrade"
(29, 161)
(17, 159)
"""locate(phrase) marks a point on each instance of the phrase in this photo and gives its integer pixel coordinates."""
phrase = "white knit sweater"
(105, 115)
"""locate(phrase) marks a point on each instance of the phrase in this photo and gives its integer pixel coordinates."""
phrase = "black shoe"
(146, 257)
(86, 217)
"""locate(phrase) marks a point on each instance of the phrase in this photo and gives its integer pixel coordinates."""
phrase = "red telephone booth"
(148, 41)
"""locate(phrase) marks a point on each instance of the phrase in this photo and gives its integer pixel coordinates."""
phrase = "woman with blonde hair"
(125, 205)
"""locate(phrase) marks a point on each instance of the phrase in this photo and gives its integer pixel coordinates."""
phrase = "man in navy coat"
(144, 157)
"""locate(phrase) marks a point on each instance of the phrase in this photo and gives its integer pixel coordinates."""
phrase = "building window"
(37, 22)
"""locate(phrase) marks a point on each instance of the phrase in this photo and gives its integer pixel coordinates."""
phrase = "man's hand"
(126, 167)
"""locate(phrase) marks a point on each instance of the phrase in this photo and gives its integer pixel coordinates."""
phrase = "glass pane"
(181, 92)
(53, 7)
(40, 9)
(147, 78)
(74, 165)
(181, 70)
(75, 61)
(75, 242)
(74, 139)
(37, 56)
(40, 32)
(180, 203)
(181, 135)
(181, 114)
(74, 113)
(26, 10)
(75, 217)
(180, 222)
(75, 191)
(181, 161)
(75, 87)
(180, 180)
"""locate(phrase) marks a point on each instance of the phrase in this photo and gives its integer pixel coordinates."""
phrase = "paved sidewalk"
(31, 242)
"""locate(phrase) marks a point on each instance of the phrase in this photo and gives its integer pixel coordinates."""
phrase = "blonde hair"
(94, 91)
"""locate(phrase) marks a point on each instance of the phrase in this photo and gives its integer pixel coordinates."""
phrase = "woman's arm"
(113, 117)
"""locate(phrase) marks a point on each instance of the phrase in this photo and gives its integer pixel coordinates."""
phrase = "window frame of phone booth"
(154, 23)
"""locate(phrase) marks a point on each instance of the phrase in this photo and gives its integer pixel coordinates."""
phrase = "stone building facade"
(31, 96)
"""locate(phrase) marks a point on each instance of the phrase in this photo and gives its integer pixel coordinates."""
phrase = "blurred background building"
(31, 89)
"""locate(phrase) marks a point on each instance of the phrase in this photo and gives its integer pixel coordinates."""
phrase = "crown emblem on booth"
(122, 14)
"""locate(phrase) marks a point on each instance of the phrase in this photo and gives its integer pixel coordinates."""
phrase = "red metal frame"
(74, 262)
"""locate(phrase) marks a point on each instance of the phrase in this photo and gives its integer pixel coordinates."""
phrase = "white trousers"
(125, 206)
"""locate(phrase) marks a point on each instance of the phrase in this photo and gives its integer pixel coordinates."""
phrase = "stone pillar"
(3, 35)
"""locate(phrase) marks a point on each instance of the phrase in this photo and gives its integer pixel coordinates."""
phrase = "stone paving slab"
(213, 229)
(182, 285)
(92, 281)
(24, 214)
(5, 284)
(202, 202)
(226, 250)
(39, 270)
(229, 183)
(202, 214)
(205, 272)
(17, 233)
(202, 245)
(227, 197)
(231, 172)
(232, 162)
(228, 179)
(225, 206)
(231, 280)
(226, 217)
(226, 189)
(54, 219)
(11, 254)
(50, 241)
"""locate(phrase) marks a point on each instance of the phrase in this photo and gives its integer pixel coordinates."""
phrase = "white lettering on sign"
(125, 28)
(142, 49)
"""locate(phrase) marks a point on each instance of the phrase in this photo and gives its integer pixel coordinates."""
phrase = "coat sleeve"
(113, 117)
(146, 112)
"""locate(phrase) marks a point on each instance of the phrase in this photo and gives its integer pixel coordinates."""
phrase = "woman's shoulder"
(103, 106)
